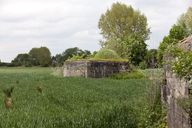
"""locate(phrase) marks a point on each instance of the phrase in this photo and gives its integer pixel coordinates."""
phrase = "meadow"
(71, 102)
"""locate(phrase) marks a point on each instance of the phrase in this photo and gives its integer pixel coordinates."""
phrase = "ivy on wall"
(182, 64)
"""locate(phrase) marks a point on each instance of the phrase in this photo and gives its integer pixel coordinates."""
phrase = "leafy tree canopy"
(186, 21)
(59, 59)
(40, 56)
(122, 20)
(22, 60)
(176, 34)
(125, 31)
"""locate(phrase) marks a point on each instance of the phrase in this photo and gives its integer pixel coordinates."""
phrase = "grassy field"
(70, 102)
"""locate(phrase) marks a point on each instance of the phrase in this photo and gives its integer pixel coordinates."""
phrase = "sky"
(62, 24)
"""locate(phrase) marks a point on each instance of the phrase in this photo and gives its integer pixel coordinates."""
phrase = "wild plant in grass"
(17, 81)
(39, 89)
(8, 98)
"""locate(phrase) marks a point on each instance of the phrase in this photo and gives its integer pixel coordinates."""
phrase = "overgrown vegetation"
(107, 54)
(75, 102)
(182, 29)
(180, 62)
(128, 75)
(101, 55)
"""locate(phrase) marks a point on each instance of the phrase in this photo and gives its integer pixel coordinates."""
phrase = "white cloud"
(60, 24)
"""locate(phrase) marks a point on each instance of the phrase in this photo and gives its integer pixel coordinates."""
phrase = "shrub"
(128, 75)
(107, 54)
(143, 65)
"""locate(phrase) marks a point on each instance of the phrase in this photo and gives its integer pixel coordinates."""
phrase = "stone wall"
(75, 68)
(174, 89)
(94, 69)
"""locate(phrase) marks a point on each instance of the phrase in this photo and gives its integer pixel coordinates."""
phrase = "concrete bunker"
(93, 68)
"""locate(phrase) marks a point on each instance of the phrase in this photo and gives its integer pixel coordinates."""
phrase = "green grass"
(135, 74)
(70, 102)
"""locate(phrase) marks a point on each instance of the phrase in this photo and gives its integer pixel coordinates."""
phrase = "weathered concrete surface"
(174, 89)
(94, 69)
(75, 68)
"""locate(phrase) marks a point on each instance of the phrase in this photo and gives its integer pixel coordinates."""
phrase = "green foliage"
(143, 65)
(135, 50)
(154, 115)
(125, 33)
(186, 21)
(129, 48)
(77, 57)
(93, 54)
(70, 53)
(40, 56)
(180, 62)
(57, 60)
(80, 57)
(22, 60)
(128, 75)
(107, 54)
(182, 65)
(176, 34)
(36, 57)
(109, 60)
(122, 20)
(151, 58)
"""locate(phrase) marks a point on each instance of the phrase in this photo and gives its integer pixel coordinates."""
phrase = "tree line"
(42, 57)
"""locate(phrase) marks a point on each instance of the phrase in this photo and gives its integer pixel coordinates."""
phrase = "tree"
(59, 59)
(151, 58)
(122, 20)
(186, 21)
(22, 60)
(70, 52)
(124, 28)
(135, 50)
(176, 34)
(40, 56)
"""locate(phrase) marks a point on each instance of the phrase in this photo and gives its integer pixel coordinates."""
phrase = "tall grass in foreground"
(72, 102)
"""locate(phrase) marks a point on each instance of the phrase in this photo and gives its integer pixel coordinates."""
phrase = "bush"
(128, 75)
(107, 54)
(143, 65)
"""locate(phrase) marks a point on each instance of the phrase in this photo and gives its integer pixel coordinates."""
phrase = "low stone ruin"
(93, 69)
(174, 89)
